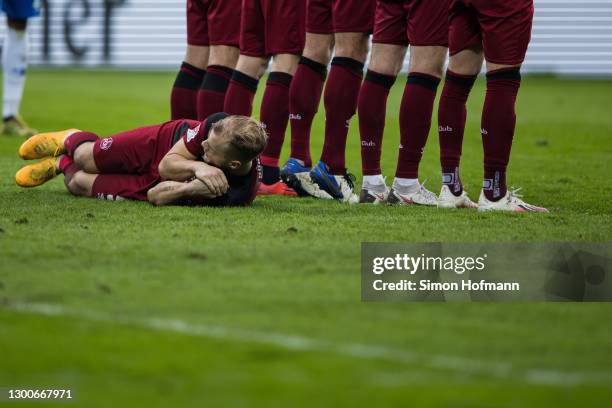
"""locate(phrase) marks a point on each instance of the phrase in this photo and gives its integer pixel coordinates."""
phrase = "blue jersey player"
(14, 63)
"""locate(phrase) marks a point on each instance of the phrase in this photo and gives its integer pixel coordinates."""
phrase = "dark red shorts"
(213, 22)
(271, 27)
(340, 16)
(415, 22)
(116, 187)
(501, 27)
(128, 161)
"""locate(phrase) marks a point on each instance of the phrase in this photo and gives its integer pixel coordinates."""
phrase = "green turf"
(247, 280)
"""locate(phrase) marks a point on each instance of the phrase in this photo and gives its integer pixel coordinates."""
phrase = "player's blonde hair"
(246, 136)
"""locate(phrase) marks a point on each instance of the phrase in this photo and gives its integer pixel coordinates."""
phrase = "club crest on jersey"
(192, 133)
(105, 144)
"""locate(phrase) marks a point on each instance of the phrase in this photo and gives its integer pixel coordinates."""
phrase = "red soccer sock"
(240, 94)
(452, 114)
(68, 167)
(183, 100)
(76, 139)
(211, 94)
(275, 115)
(498, 123)
(304, 97)
(341, 93)
(415, 121)
(372, 107)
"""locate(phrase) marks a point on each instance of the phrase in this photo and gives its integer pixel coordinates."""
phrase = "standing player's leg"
(506, 36)
(497, 126)
(304, 98)
(14, 64)
(426, 27)
(340, 97)
(183, 99)
(306, 90)
(463, 69)
(353, 22)
(252, 62)
(211, 95)
(466, 58)
(275, 116)
(285, 38)
(385, 65)
(389, 47)
(223, 21)
(425, 70)
(243, 85)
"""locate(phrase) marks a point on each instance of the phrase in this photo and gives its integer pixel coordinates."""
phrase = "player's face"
(216, 151)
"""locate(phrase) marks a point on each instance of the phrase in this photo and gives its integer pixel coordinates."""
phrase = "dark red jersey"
(137, 153)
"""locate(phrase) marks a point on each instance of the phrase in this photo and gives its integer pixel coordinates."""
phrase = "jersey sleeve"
(193, 138)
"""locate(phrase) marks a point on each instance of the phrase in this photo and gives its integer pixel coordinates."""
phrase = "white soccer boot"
(510, 202)
(447, 199)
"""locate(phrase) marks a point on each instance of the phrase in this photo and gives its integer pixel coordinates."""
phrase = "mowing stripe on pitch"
(461, 365)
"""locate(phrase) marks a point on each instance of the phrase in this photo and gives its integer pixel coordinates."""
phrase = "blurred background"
(569, 37)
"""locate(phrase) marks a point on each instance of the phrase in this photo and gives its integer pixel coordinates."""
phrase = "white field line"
(454, 364)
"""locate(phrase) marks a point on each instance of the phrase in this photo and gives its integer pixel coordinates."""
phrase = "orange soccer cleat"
(278, 188)
(38, 173)
(45, 145)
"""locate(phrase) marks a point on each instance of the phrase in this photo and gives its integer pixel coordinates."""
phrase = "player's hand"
(199, 189)
(213, 178)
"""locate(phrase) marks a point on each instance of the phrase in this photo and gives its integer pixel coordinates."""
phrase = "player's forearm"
(177, 168)
(174, 192)
(166, 193)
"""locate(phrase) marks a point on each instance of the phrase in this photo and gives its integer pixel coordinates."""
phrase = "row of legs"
(295, 87)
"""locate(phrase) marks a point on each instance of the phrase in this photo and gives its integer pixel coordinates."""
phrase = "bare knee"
(80, 183)
(494, 67)
(467, 62)
(252, 66)
(285, 63)
(387, 59)
(352, 45)
(197, 56)
(223, 55)
(319, 47)
(83, 157)
(428, 60)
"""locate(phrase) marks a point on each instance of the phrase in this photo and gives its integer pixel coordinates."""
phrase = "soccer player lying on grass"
(214, 162)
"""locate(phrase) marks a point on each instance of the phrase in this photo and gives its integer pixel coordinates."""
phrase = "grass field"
(131, 305)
